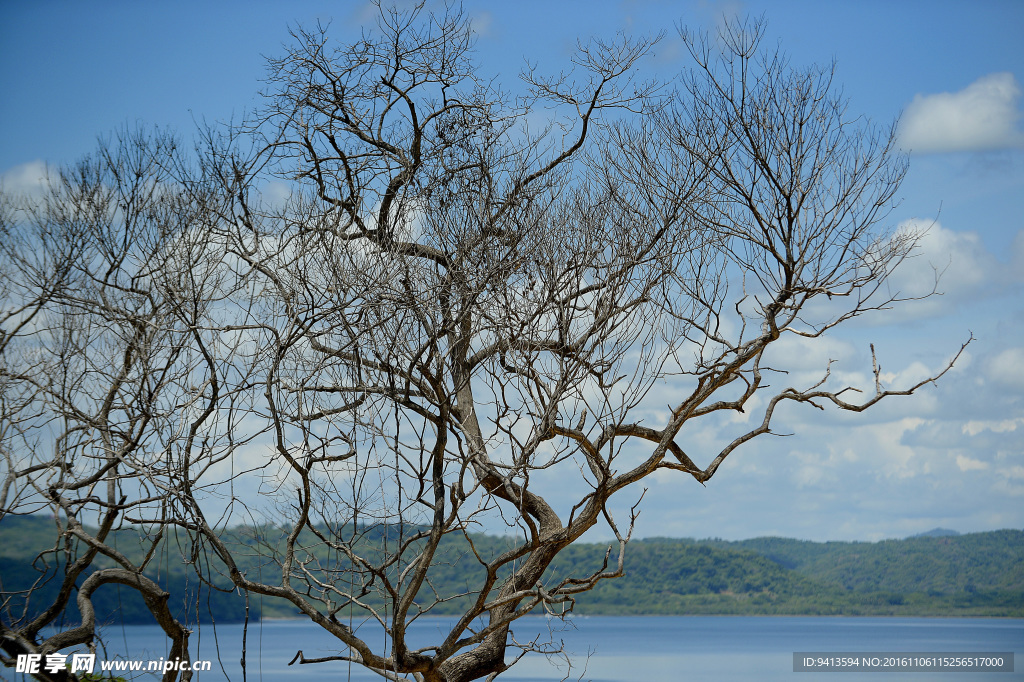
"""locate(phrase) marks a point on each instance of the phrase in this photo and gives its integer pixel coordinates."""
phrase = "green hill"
(979, 574)
(944, 564)
(27, 561)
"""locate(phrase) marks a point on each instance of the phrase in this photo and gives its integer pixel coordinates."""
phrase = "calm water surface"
(616, 649)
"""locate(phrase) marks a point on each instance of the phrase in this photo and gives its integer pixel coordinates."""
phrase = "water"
(614, 649)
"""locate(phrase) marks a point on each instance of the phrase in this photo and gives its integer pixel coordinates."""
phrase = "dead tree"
(97, 398)
(447, 308)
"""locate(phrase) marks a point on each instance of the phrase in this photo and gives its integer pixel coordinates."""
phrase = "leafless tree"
(96, 361)
(397, 306)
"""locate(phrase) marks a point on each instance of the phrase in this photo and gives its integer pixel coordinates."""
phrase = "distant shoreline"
(581, 616)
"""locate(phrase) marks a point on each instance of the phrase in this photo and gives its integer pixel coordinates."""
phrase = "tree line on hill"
(978, 574)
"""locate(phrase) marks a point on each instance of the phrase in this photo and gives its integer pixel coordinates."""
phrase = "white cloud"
(28, 178)
(1007, 367)
(960, 262)
(968, 464)
(792, 353)
(982, 116)
(973, 428)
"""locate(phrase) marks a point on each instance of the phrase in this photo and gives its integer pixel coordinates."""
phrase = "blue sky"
(952, 456)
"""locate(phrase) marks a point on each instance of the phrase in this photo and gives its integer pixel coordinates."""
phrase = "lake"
(617, 649)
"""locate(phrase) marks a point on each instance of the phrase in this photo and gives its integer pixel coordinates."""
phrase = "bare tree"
(97, 358)
(443, 310)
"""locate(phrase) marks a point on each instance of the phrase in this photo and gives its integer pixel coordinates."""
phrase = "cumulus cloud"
(1007, 367)
(28, 178)
(955, 262)
(974, 427)
(982, 116)
(965, 463)
(794, 353)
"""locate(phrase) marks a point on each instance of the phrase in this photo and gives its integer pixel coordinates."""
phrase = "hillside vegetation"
(980, 574)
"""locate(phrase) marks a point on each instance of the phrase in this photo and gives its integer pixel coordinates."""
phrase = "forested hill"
(980, 574)
(939, 564)
(974, 574)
